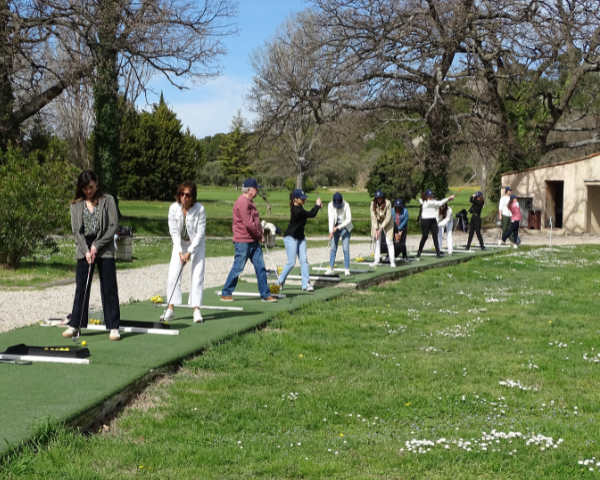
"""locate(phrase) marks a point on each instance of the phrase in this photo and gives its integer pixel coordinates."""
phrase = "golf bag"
(463, 221)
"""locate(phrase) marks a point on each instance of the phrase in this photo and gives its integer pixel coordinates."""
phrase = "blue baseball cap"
(251, 183)
(299, 193)
(478, 194)
(512, 197)
(507, 189)
(379, 194)
(338, 200)
(399, 203)
(429, 193)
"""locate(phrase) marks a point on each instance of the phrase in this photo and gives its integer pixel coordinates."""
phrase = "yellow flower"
(408, 404)
(341, 434)
(550, 321)
(300, 354)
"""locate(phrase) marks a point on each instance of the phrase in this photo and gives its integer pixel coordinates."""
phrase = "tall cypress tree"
(234, 151)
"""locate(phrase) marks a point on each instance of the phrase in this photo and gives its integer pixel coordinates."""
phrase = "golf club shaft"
(461, 188)
(176, 282)
(271, 258)
(87, 284)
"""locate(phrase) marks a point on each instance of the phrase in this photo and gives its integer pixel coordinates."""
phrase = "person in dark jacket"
(477, 202)
(400, 222)
(94, 222)
(295, 240)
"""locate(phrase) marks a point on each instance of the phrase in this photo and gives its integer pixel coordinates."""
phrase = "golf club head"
(76, 336)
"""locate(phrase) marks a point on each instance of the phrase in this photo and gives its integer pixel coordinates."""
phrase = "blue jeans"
(243, 253)
(295, 248)
(345, 234)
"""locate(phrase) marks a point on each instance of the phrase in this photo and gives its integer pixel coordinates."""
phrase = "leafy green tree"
(156, 155)
(396, 174)
(234, 151)
(34, 201)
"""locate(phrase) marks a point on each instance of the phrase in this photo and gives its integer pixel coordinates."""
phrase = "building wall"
(532, 183)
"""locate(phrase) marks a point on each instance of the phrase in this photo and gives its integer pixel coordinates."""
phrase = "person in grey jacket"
(94, 221)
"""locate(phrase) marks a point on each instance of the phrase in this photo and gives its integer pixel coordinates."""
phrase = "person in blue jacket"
(400, 219)
(400, 222)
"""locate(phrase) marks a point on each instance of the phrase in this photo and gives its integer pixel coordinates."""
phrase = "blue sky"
(208, 108)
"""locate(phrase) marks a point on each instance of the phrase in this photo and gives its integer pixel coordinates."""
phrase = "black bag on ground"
(463, 221)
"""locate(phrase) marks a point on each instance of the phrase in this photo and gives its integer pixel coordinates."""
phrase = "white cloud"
(212, 106)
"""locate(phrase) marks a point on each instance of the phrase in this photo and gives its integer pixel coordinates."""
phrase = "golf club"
(461, 188)
(87, 284)
(327, 247)
(271, 258)
(175, 286)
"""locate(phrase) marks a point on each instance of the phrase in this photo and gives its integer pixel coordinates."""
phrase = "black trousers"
(514, 228)
(429, 225)
(109, 292)
(399, 247)
(475, 227)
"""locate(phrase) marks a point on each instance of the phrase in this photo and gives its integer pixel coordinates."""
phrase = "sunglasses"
(185, 195)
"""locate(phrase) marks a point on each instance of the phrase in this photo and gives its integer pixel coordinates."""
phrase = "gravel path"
(20, 308)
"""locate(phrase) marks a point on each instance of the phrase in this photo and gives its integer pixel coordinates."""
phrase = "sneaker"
(499, 243)
(114, 335)
(374, 264)
(309, 288)
(393, 265)
(168, 315)
(405, 260)
(281, 287)
(197, 316)
(482, 248)
(69, 332)
(347, 272)
(449, 253)
(439, 255)
(271, 299)
(226, 298)
(329, 271)
(418, 257)
(514, 246)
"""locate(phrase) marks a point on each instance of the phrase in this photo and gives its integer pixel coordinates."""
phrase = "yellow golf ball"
(84, 343)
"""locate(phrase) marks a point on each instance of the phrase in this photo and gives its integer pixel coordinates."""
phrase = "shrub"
(307, 184)
(34, 201)
(396, 174)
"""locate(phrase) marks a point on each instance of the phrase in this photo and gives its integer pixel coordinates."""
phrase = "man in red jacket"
(247, 237)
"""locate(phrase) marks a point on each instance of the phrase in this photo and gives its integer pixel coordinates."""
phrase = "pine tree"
(234, 151)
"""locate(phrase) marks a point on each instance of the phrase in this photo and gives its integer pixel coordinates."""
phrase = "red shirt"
(246, 224)
(516, 212)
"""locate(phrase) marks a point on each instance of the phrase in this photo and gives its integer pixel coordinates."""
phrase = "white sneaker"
(114, 335)
(329, 271)
(374, 264)
(197, 316)
(309, 288)
(393, 264)
(168, 315)
(499, 243)
(69, 332)
(347, 272)
(515, 245)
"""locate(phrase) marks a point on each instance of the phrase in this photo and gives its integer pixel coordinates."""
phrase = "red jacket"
(246, 224)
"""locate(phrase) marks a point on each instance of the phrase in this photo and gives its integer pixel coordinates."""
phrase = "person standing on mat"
(400, 223)
(340, 225)
(445, 222)
(504, 214)
(295, 240)
(429, 214)
(515, 210)
(187, 227)
(247, 237)
(94, 221)
(477, 203)
(381, 224)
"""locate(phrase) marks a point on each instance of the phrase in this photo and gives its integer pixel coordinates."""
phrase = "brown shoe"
(270, 299)
(226, 299)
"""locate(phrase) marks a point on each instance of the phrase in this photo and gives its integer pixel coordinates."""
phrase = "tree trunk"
(8, 132)
(299, 179)
(106, 103)
(435, 175)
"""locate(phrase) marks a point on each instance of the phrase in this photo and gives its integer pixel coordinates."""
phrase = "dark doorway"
(593, 209)
(555, 191)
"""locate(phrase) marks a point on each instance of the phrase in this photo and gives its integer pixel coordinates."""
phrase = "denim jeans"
(295, 248)
(244, 252)
(345, 234)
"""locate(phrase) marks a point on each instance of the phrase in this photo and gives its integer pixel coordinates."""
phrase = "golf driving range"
(485, 368)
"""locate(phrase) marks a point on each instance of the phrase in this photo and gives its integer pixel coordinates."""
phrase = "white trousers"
(448, 228)
(390, 245)
(197, 267)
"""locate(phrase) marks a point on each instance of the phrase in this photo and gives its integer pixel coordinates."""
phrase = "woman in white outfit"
(429, 216)
(445, 222)
(340, 226)
(187, 227)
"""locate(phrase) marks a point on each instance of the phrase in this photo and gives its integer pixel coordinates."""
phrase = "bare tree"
(294, 83)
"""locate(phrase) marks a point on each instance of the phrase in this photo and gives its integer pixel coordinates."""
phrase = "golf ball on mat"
(84, 343)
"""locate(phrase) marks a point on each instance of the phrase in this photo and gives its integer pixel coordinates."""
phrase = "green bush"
(396, 174)
(34, 201)
(307, 184)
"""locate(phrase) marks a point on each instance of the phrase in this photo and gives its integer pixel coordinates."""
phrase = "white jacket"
(431, 208)
(343, 213)
(447, 219)
(195, 221)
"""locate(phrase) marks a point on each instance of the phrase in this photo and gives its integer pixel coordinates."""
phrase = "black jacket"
(298, 221)
(477, 206)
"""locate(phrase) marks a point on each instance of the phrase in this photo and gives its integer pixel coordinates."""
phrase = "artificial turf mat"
(36, 393)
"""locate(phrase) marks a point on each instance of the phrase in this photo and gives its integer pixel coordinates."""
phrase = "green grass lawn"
(409, 380)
